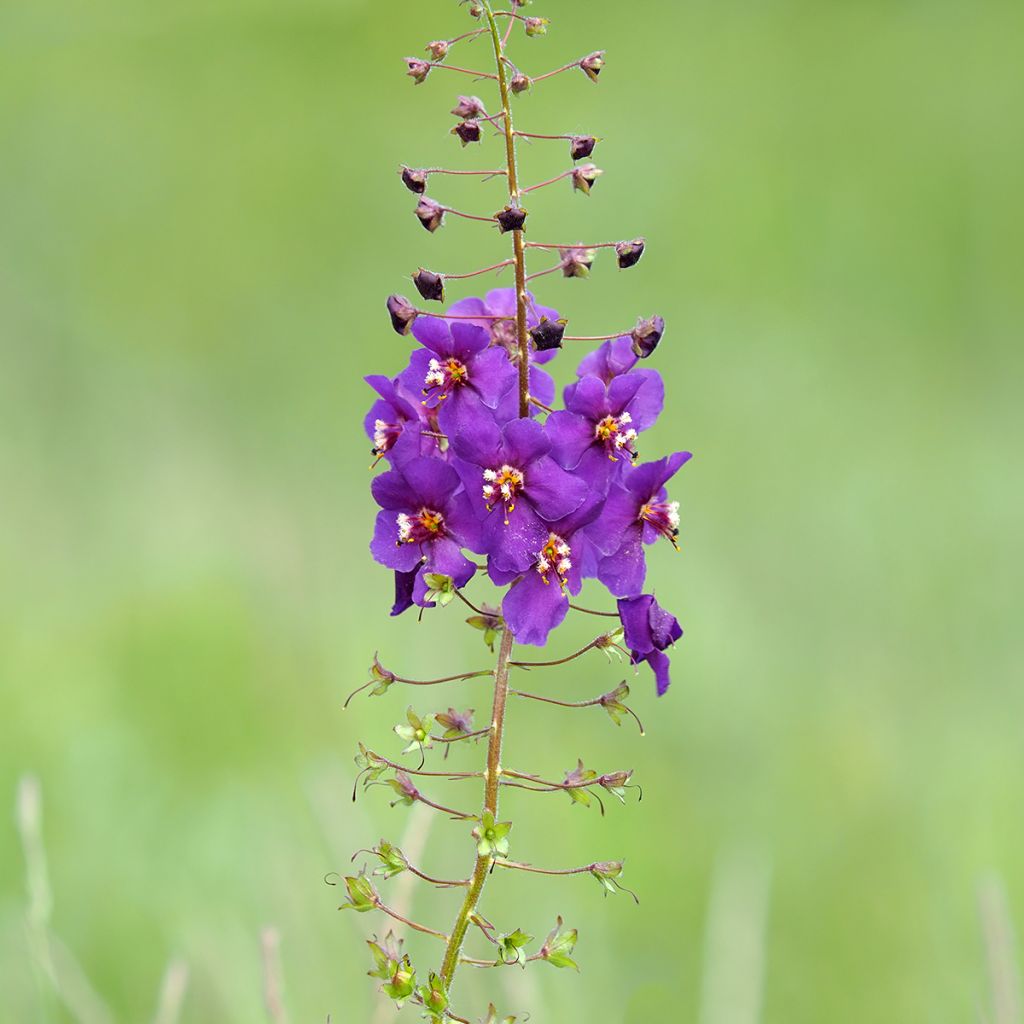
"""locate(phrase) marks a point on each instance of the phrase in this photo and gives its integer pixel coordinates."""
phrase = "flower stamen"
(664, 517)
(425, 525)
(443, 376)
(554, 559)
(502, 485)
(618, 437)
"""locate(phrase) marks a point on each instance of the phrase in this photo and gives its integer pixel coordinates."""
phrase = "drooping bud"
(583, 178)
(520, 82)
(467, 131)
(469, 107)
(581, 146)
(536, 26)
(547, 334)
(512, 218)
(415, 180)
(629, 253)
(418, 69)
(615, 783)
(402, 313)
(430, 213)
(592, 64)
(576, 262)
(438, 49)
(646, 335)
(429, 285)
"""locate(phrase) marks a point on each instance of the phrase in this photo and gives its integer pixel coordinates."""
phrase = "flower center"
(664, 517)
(502, 485)
(617, 436)
(443, 375)
(505, 334)
(426, 525)
(553, 560)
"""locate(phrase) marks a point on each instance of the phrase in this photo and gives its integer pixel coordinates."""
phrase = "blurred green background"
(199, 222)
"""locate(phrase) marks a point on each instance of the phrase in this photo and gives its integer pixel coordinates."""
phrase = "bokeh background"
(199, 222)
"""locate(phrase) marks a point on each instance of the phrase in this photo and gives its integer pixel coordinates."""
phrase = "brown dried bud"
(581, 146)
(592, 64)
(646, 335)
(467, 131)
(430, 213)
(547, 334)
(520, 83)
(583, 178)
(512, 218)
(536, 26)
(576, 262)
(469, 107)
(438, 49)
(418, 69)
(429, 285)
(402, 312)
(629, 253)
(415, 180)
(475, 11)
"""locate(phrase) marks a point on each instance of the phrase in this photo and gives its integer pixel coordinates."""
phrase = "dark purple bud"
(629, 253)
(512, 218)
(467, 131)
(646, 335)
(581, 146)
(430, 213)
(576, 262)
(414, 180)
(583, 178)
(438, 49)
(469, 107)
(418, 69)
(547, 334)
(402, 313)
(536, 26)
(592, 64)
(520, 83)
(429, 285)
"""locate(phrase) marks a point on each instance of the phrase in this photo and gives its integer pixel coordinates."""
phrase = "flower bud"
(520, 83)
(418, 69)
(467, 131)
(415, 180)
(536, 26)
(401, 983)
(434, 997)
(646, 335)
(469, 107)
(438, 49)
(581, 146)
(430, 213)
(402, 313)
(475, 11)
(429, 285)
(592, 64)
(547, 334)
(576, 262)
(583, 178)
(512, 218)
(629, 253)
(362, 896)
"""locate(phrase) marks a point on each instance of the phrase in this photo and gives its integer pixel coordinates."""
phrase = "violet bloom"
(648, 629)
(516, 487)
(396, 422)
(637, 512)
(540, 600)
(613, 358)
(596, 433)
(456, 370)
(426, 520)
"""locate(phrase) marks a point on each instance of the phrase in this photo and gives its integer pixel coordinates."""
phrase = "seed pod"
(576, 262)
(592, 64)
(430, 213)
(438, 49)
(415, 180)
(418, 69)
(467, 131)
(536, 26)
(469, 107)
(429, 285)
(629, 253)
(520, 83)
(646, 335)
(547, 334)
(402, 313)
(581, 146)
(512, 218)
(583, 178)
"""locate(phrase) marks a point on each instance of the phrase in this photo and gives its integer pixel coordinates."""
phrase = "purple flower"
(405, 583)
(648, 629)
(540, 600)
(396, 422)
(426, 520)
(613, 358)
(456, 370)
(636, 513)
(597, 431)
(516, 488)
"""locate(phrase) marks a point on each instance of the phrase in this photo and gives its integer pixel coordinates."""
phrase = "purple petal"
(532, 608)
(620, 516)
(660, 664)
(468, 339)
(570, 437)
(433, 333)
(493, 376)
(588, 397)
(385, 547)
(552, 491)
(647, 402)
(404, 583)
(480, 441)
(525, 442)
(431, 483)
(542, 386)
(624, 571)
(647, 480)
(635, 615)
(614, 357)
(513, 548)
(446, 558)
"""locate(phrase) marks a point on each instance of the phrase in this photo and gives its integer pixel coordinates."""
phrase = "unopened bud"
(402, 313)
(583, 178)
(646, 335)
(536, 26)
(547, 334)
(418, 69)
(438, 49)
(520, 83)
(512, 218)
(467, 131)
(430, 213)
(469, 107)
(475, 11)
(576, 262)
(415, 180)
(581, 146)
(429, 285)
(592, 64)
(629, 253)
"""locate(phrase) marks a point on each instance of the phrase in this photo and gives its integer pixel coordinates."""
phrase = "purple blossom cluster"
(549, 500)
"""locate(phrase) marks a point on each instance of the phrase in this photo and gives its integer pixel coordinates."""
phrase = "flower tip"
(469, 107)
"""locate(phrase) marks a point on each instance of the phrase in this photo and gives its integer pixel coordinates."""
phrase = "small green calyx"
(491, 836)
(416, 732)
(362, 896)
(490, 623)
(402, 982)
(440, 589)
(434, 997)
(387, 955)
(511, 948)
(575, 783)
(493, 1018)
(392, 860)
(558, 946)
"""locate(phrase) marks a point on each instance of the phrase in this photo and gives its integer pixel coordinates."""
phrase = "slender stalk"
(465, 71)
(410, 924)
(477, 273)
(550, 181)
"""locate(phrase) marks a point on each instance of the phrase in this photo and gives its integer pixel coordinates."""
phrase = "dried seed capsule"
(469, 107)
(536, 26)
(520, 83)
(402, 313)
(430, 213)
(629, 253)
(592, 64)
(512, 218)
(467, 131)
(438, 49)
(418, 69)
(646, 335)
(415, 180)
(429, 285)
(576, 262)
(547, 334)
(583, 178)
(581, 146)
